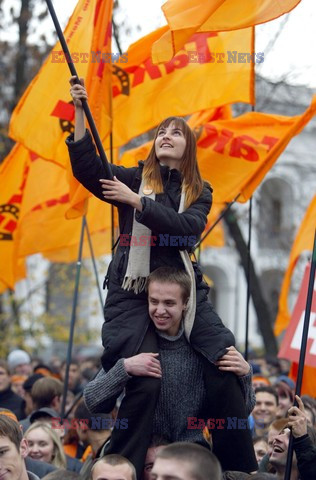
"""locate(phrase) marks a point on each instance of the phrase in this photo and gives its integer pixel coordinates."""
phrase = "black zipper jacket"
(126, 314)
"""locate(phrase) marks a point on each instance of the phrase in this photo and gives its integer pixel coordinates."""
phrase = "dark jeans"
(138, 406)
(225, 403)
(233, 447)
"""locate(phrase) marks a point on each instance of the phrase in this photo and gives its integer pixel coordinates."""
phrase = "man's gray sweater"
(182, 392)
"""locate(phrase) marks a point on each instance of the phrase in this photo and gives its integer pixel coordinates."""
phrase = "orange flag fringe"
(303, 242)
(186, 17)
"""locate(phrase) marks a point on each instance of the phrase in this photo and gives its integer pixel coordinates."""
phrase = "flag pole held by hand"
(85, 105)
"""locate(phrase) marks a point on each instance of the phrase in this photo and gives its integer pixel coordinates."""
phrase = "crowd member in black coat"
(9, 399)
(163, 206)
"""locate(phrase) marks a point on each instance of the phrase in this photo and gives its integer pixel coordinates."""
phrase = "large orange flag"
(42, 226)
(186, 17)
(34, 198)
(143, 93)
(234, 155)
(303, 242)
(44, 116)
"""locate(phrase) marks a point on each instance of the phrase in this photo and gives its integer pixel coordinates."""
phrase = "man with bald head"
(186, 461)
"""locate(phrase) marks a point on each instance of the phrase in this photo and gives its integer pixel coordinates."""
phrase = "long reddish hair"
(191, 177)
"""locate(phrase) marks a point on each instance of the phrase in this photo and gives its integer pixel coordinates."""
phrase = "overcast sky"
(292, 55)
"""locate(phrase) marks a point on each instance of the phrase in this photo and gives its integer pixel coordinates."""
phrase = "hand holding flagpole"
(85, 105)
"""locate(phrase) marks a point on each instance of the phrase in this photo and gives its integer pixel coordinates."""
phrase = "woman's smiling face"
(41, 446)
(170, 145)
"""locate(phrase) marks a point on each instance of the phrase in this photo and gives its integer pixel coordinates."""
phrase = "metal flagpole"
(85, 105)
(301, 362)
(219, 218)
(248, 279)
(73, 318)
(94, 264)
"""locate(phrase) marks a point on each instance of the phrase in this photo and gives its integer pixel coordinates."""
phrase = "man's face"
(265, 410)
(166, 306)
(168, 469)
(23, 369)
(285, 402)
(150, 460)
(103, 471)
(12, 465)
(4, 379)
(260, 448)
(280, 447)
(74, 374)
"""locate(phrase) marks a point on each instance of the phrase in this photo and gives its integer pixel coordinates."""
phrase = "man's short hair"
(158, 441)
(113, 460)
(172, 275)
(73, 361)
(11, 429)
(203, 463)
(268, 389)
(45, 390)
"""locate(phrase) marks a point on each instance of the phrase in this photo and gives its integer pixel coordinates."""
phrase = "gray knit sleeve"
(248, 391)
(101, 393)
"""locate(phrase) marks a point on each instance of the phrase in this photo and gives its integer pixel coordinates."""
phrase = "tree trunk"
(21, 58)
(260, 305)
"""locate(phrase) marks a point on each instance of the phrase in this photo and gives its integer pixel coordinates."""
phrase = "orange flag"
(44, 116)
(309, 379)
(144, 94)
(235, 155)
(303, 241)
(186, 17)
(42, 226)
(34, 198)
(13, 176)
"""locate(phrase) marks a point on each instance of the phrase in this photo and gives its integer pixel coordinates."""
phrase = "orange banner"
(143, 93)
(186, 17)
(44, 116)
(34, 200)
(303, 242)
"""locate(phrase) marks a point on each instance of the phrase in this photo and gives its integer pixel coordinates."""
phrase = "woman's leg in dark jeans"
(232, 443)
(137, 409)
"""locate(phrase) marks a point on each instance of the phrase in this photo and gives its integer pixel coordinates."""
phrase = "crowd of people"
(47, 446)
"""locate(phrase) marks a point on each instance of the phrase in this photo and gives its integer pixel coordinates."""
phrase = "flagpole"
(94, 264)
(248, 279)
(248, 276)
(85, 105)
(301, 362)
(219, 218)
(73, 318)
